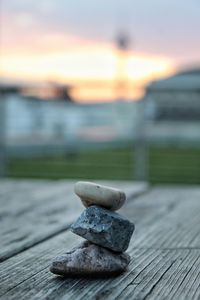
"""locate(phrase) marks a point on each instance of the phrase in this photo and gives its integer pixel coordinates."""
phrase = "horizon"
(74, 44)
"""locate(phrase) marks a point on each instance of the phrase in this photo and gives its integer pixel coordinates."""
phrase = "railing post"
(140, 148)
(2, 136)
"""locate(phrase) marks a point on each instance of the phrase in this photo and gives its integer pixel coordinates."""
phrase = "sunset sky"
(73, 42)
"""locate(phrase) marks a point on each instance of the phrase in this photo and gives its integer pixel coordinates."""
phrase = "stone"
(96, 194)
(104, 228)
(90, 259)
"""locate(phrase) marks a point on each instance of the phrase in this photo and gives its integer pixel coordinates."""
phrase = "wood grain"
(165, 252)
(33, 211)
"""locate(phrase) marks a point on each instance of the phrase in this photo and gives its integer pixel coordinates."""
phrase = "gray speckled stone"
(105, 228)
(90, 259)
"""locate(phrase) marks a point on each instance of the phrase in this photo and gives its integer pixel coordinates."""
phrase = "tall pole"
(141, 148)
(122, 42)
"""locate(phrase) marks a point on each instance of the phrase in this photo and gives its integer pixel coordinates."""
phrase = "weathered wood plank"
(151, 273)
(33, 217)
(160, 269)
(24, 266)
(32, 212)
(167, 218)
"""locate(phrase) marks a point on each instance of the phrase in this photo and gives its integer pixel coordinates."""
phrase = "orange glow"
(81, 63)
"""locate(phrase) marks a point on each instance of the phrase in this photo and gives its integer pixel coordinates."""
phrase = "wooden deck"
(165, 248)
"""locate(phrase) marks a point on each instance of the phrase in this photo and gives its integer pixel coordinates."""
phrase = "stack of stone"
(107, 233)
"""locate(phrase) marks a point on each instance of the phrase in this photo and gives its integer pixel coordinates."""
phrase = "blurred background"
(100, 90)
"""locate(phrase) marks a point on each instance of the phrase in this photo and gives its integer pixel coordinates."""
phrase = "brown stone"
(89, 259)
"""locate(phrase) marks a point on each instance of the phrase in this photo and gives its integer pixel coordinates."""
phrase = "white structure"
(57, 125)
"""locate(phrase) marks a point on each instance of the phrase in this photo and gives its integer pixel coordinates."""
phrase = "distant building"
(175, 98)
(33, 126)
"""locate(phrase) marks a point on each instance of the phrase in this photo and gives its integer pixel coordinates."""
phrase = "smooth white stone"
(96, 194)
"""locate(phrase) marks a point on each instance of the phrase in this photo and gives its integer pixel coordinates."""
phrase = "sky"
(73, 42)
